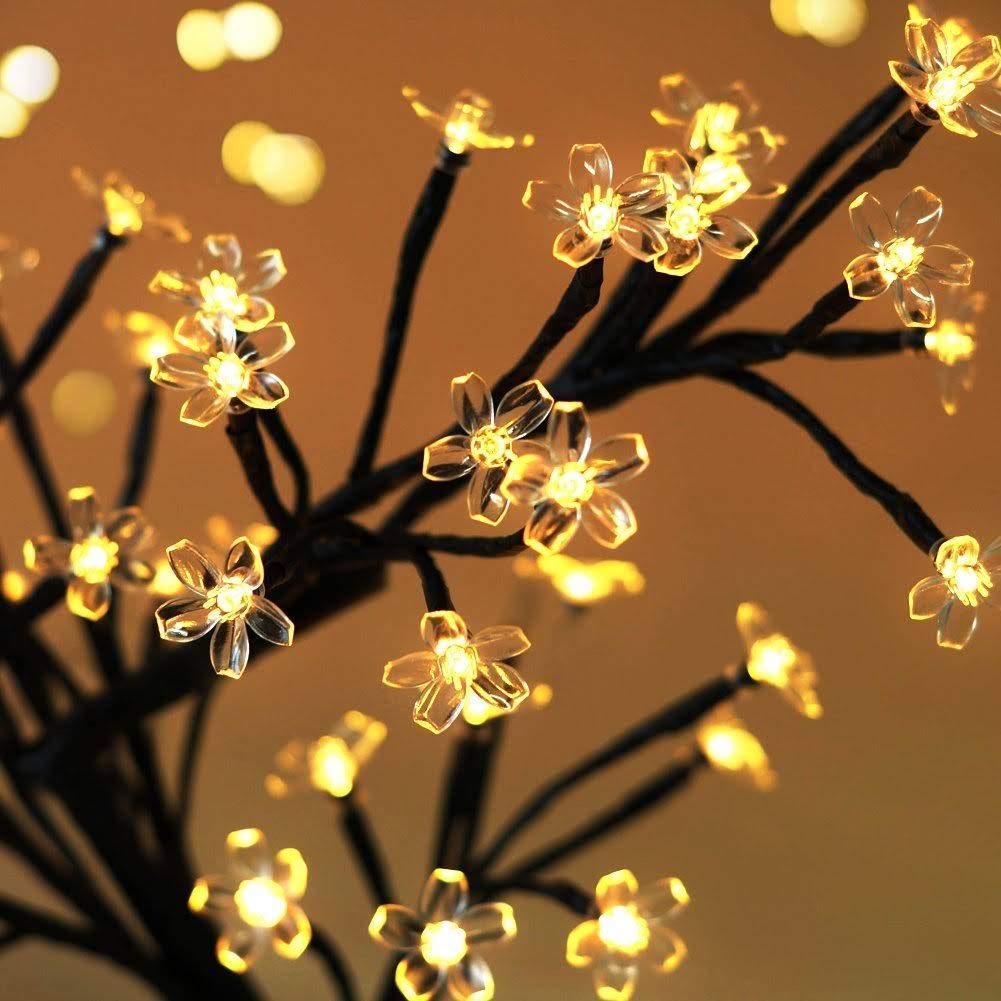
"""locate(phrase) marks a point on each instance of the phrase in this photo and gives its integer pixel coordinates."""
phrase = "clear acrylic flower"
(956, 83)
(491, 441)
(900, 255)
(330, 763)
(102, 550)
(582, 582)
(227, 600)
(224, 369)
(256, 903)
(128, 211)
(596, 214)
(466, 121)
(457, 664)
(772, 659)
(952, 342)
(442, 938)
(693, 216)
(959, 589)
(959, 31)
(570, 483)
(224, 288)
(16, 259)
(724, 128)
(630, 933)
(731, 748)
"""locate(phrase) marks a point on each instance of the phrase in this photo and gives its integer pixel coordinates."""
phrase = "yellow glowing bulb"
(785, 14)
(770, 660)
(83, 402)
(684, 218)
(900, 257)
(233, 597)
(251, 30)
(950, 343)
(30, 73)
(569, 484)
(227, 373)
(199, 896)
(732, 748)
(332, 766)
(93, 559)
(164, 579)
(14, 116)
(578, 585)
(833, 22)
(238, 145)
(260, 902)
(443, 943)
(200, 39)
(458, 665)
(490, 446)
(14, 585)
(621, 928)
(289, 169)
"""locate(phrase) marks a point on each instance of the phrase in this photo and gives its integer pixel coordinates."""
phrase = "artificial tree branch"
(334, 963)
(561, 891)
(436, 593)
(275, 428)
(245, 437)
(365, 847)
(141, 440)
(839, 344)
(189, 756)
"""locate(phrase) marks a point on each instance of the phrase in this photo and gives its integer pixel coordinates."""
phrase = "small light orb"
(622, 929)
(29, 73)
(200, 39)
(443, 943)
(83, 402)
(14, 116)
(833, 22)
(14, 585)
(785, 14)
(238, 145)
(332, 767)
(289, 169)
(251, 30)
(260, 902)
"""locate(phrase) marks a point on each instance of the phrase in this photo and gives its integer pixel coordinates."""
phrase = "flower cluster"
(128, 211)
(465, 122)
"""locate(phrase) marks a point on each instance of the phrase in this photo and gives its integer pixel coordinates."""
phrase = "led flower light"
(491, 441)
(128, 211)
(466, 122)
(221, 532)
(257, 902)
(954, 83)
(598, 214)
(629, 932)
(228, 600)
(441, 939)
(476, 712)
(958, 31)
(151, 337)
(571, 483)
(330, 763)
(952, 342)
(959, 590)
(15, 259)
(583, 582)
(102, 551)
(730, 747)
(692, 216)
(457, 664)
(901, 258)
(722, 129)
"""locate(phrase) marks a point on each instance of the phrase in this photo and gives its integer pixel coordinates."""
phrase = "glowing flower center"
(771, 660)
(233, 597)
(260, 902)
(958, 561)
(221, 294)
(621, 928)
(950, 343)
(227, 373)
(458, 664)
(719, 122)
(93, 559)
(684, 218)
(948, 89)
(332, 767)
(569, 485)
(600, 212)
(901, 257)
(490, 446)
(443, 943)
(122, 213)
(578, 585)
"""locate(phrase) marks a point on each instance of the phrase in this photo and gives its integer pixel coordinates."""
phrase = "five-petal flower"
(901, 257)
(466, 121)
(730, 747)
(126, 210)
(440, 937)
(228, 600)
(952, 342)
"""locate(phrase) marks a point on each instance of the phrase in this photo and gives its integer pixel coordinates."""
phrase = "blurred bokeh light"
(83, 402)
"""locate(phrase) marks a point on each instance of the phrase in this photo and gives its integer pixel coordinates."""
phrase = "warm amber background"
(871, 872)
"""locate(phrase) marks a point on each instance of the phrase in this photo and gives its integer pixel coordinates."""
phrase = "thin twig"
(189, 757)
(245, 437)
(141, 440)
(365, 847)
(275, 428)
(336, 966)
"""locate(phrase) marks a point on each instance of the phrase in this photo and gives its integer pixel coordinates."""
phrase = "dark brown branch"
(334, 963)
(245, 437)
(274, 426)
(140, 451)
(365, 847)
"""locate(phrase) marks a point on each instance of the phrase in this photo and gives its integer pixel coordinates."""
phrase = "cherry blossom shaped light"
(731, 748)
(582, 582)
(952, 342)
(442, 938)
(257, 902)
(900, 255)
(598, 216)
(956, 84)
(959, 589)
(629, 933)
(227, 601)
(128, 211)
(457, 664)
(572, 483)
(465, 122)
(491, 441)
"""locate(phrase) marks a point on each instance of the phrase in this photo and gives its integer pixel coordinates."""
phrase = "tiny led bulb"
(260, 902)
(730, 747)
(443, 943)
(622, 928)
(332, 767)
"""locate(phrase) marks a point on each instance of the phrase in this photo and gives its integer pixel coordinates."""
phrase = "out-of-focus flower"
(150, 337)
(730, 747)
(102, 550)
(128, 211)
(954, 83)
(629, 932)
(582, 582)
(571, 483)
(456, 664)
(228, 600)
(441, 940)
(257, 902)
(596, 214)
(15, 259)
(952, 342)
(959, 590)
(491, 442)
(901, 257)
(466, 121)
(221, 532)
(958, 31)
(476, 712)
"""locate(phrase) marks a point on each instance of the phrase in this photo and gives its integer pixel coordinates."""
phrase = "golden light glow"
(958, 561)
(950, 342)
(251, 30)
(14, 585)
(465, 123)
(221, 532)
(199, 895)
(621, 928)
(200, 39)
(833, 22)
(151, 337)
(227, 957)
(731, 747)
(14, 116)
(260, 902)
(443, 944)
(785, 14)
(83, 402)
(490, 446)
(332, 767)
(582, 582)
(228, 374)
(238, 145)
(93, 559)
(900, 257)
(289, 169)
(29, 73)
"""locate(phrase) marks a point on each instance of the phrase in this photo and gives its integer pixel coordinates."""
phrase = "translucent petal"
(590, 165)
(192, 567)
(914, 302)
(551, 527)
(440, 629)
(292, 935)
(444, 895)
(927, 44)
(956, 624)
(46, 554)
(991, 558)
(640, 238)
(438, 706)
(552, 200)
(488, 923)
(914, 81)
(584, 945)
(201, 408)
(396, 927)
(985, 111)
(980, 61)
(269, 621)
(179, 371)
(213, 894)
(472, 403)
(265, 270)
(918, 215)
(672, 165)
(616, 889)
(681, 257)
(194, 335)
(412, 671)
(500, 686)
(248, 851)
(524, 408)
(681, 98)
(261, 347)
(221, 251)
(741, 98)
(500, 643)
(608, 518)
(729, 237)
(641, 193)
(185, 619)
(223, 329)
(484, 500)
(127, 527)
(947, 264)
(448, 458)
(258, 312)
(416, 979)
(576, 246)
(569, 432)
(239, 946)
(866, 279)
(83, 511)
(619, 458)
(957, 120)
(471, 980)
(244, 560)
(526, 478)
(661, 900)
(952, 381)
(264, 391)
(666, 950)
(230, 648)
(870, 221)
(89, 601)
(175, 285)
(290, 872)
(614, 982)
(133, 573)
